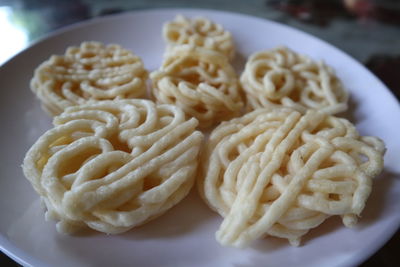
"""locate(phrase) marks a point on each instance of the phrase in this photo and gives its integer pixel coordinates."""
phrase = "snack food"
(201, 82)
(113, 165)
(281, 77)
(90, 72)
(200, 32)
(279, 173)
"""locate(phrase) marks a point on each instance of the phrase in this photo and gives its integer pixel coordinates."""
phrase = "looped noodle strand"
(281, 77)
(200, 32)
(201, 82)
(113, 165)
(90, 72)
(280, 173)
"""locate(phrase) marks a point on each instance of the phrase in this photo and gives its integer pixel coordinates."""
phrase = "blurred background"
(368, 30)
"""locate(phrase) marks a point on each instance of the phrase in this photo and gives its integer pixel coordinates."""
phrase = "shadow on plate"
(269, 244)
(349, 114)
(182, 219)
(377, 201)
(238, 63)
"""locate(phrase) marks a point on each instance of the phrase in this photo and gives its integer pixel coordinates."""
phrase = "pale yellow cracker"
(280, 173)
(201, 82)
(198, 31)
(281, 77)
(90, 72)
(113, 165)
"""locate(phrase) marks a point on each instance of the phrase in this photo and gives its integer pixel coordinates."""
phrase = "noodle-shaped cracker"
(90, 72)
(280, 173)
(199, 32)
(201, 82)
(281, 77)
(113, 165)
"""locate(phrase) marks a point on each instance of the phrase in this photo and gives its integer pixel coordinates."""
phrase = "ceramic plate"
(184, 236)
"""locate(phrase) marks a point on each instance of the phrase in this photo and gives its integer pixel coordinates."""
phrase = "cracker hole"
(173, 36)
(193, 78)
(233, 154)
(199, 42)
(119, 145)
(334, 197)
(362, 158)
(87, 67)
(88, 54)
(260, 72)
(151, 182)
(279, 80)
(200, 109)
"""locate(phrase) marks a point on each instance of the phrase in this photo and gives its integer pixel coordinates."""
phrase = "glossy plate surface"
(184, 236)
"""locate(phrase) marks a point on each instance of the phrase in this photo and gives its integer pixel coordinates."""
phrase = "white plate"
(185, 235)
